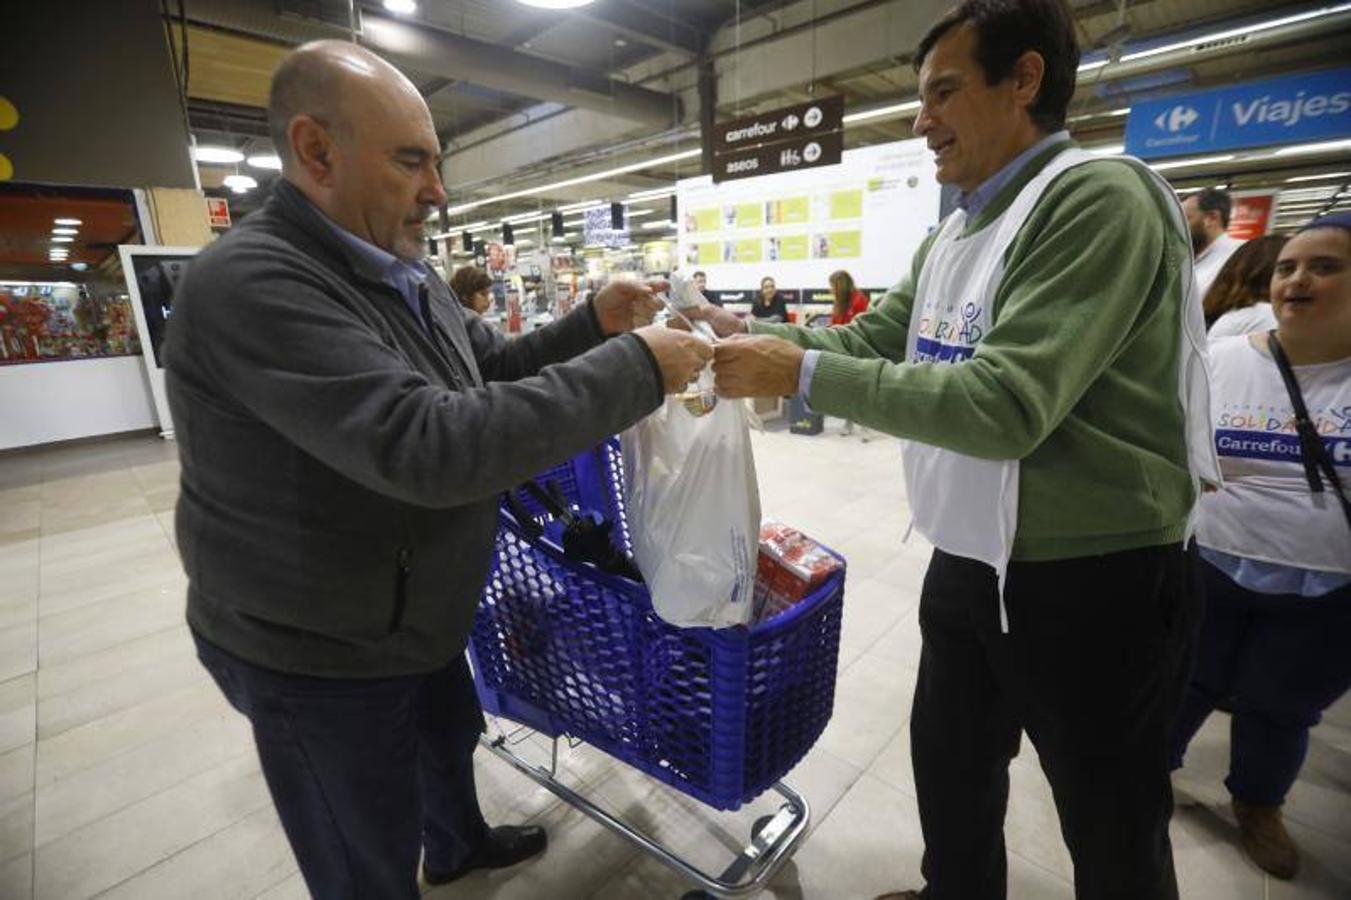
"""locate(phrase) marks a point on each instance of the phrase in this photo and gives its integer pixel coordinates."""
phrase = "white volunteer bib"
(968, 506)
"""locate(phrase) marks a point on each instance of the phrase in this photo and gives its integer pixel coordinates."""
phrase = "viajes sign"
(1313, 106)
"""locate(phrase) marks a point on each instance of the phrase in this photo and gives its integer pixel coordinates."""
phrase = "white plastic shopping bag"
(694, 508)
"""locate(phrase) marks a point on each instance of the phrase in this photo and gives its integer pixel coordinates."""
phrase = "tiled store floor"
(124, 774)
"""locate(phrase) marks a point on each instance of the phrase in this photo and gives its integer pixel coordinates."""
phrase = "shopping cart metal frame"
(773, 839)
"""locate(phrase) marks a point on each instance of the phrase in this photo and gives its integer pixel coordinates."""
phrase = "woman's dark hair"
(468, 281)
(1005, 30)
(1244, 279)
(842, 286)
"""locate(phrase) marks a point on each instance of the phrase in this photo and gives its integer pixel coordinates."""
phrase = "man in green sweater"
(1040, 359)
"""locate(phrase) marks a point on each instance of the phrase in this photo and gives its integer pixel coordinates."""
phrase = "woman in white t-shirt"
(1276, 554)
(1238, 300)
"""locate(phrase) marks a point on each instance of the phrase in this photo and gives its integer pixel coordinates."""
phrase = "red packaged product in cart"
(790, 565)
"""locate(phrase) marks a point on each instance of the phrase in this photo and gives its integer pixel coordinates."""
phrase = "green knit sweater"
(1077, 377)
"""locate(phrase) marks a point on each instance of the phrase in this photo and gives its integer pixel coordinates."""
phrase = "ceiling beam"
(445, 54)
(646, 27)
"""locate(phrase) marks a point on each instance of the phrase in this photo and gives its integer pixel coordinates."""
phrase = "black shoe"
(504, 846)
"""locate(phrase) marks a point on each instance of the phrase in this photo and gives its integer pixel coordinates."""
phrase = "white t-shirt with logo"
(1210, 260)
(1265, 510)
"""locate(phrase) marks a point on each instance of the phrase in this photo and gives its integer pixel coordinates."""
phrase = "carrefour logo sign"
(1295, 109)
(1176, 119)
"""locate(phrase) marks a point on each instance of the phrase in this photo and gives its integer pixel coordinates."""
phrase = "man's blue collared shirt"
(975, 201)
(404, 276)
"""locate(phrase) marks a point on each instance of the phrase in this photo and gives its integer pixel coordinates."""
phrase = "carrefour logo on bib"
(1276, 447)
(1294, 109)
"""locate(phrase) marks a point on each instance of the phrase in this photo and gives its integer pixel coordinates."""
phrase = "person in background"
(768, 305)
(700, 282)
(1207, 214)
(1276, 637)
(1239, 299)
(473, 287)
(1046, 369)
(847, 301)
(341, 469)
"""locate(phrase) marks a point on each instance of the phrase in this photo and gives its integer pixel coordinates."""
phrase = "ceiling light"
(881, 112)
(556, 4)
(1100, 114)
(582, 179)
(79, 266)
(65, 231)
(1194, 161)
(658, 224)
(1314, 193)
(66, 222)
(402, 7)
(652, 194)
(1315, 177)
(1241, 30)
(267, 161)
(62, 239)
(217, 155)
(586, 204)
(240, 183)
(525, 217)
(58, 256)
(1321, 147)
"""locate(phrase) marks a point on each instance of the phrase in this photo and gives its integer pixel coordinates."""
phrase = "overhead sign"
(1250, 215)
(787, 123)
(598, 228)
(785, 156)
(1314, 106)
(218, 212)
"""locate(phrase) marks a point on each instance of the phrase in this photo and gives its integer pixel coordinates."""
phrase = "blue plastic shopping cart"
(566, 649)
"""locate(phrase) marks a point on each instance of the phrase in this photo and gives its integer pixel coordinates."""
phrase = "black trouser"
(1283, 659)
(1093, 669)
(364, 773)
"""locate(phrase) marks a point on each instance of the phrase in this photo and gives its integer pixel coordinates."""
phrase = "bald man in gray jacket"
(345, 430)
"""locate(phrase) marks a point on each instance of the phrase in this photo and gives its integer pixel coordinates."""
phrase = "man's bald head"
(323, 80)
(356, 138)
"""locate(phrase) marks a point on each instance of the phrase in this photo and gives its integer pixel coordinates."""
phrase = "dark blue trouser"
(1283, 659)
(364, 772)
